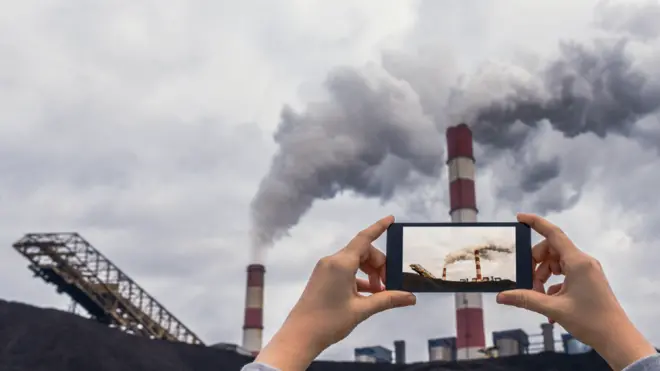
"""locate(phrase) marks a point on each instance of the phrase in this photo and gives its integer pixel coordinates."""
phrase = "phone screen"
(458, 258)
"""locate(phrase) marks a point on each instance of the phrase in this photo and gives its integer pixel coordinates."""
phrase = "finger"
(530, 300)
(382, 301)
(540, 251)
(552, 290)
(555, 267)
(375, 281)
(365, 286)
(374, 231)
(372, 262)
(543, 272)
(551, 232)
(538, 286)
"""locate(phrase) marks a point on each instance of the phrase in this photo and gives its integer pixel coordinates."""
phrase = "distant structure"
(442, 349)
(470, 337)
(400, 352)
(511, 342)
(477, 264)
(573, 345)
(233, 348)
(254, 308)
(92, 281)
(547, 330)
(375, 354)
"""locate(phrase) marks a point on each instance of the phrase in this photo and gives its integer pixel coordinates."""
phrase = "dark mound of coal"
(35, 339)
(415, 282)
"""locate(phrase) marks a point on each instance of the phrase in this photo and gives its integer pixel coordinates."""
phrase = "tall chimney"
(477, 263)
(444, 273)
(400, 351)
(254, 304)
(548, 337)
(470, 337)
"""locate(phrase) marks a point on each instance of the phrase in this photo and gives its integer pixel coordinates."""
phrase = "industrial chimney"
(254, 304)
(470, 337)
(444, 273)
(548, 332)
(477, 263)
(400, 351)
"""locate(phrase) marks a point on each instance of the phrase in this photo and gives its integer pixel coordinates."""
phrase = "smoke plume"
(485, 252)
(382, 125)
(367, 138)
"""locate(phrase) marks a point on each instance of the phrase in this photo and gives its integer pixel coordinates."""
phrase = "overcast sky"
(147, 126)
(429, 246)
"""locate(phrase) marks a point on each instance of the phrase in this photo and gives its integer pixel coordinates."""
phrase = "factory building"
(443, 349)
(375, 354)
(511, 342)
(573, 345)
(470, 336)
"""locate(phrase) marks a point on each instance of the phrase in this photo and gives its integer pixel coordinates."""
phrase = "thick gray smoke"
(486, 252)
(380, 126)
(587, 90)
(367, 138)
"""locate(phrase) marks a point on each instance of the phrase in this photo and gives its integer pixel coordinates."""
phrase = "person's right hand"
(584, 304)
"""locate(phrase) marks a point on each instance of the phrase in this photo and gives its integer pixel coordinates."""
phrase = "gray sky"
(147, 127)
(429, 246)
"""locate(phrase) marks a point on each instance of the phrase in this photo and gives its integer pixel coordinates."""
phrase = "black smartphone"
(459, 257)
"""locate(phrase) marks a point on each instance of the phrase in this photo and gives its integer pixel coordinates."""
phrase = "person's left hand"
(331, 305)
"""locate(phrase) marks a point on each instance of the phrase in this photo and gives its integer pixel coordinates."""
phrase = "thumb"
(530, 300)
(385, 300)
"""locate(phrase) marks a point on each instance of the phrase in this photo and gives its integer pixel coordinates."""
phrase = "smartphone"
(458, 257)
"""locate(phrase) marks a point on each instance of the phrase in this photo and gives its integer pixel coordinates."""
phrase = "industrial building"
(443, 349)
(511, 342)
(373, 354)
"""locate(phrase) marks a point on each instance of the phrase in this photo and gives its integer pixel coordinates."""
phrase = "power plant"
(110, 297)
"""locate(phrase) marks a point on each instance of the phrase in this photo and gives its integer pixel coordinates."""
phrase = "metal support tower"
(92, 281)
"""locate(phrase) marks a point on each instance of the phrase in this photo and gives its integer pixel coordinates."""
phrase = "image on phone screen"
(458, 259)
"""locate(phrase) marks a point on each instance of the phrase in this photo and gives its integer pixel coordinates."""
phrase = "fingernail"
(412, 298)
(501, 299)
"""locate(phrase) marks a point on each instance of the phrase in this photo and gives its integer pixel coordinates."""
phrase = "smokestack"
(444, 273)
(477, 263)
(254, 304)
(548, 337)
(400, 352)
(470, 337)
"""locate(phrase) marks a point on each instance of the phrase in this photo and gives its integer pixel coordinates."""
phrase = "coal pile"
(36, 339)
(416, 283)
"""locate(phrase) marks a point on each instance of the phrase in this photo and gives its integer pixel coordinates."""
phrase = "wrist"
(625, 346)
(289, 350)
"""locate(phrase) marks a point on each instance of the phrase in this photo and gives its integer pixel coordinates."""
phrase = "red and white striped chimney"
(254, 304)
(477, 264)
(470, 337)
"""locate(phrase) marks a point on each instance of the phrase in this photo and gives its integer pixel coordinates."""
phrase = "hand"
(584, 304)
(331, 305)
